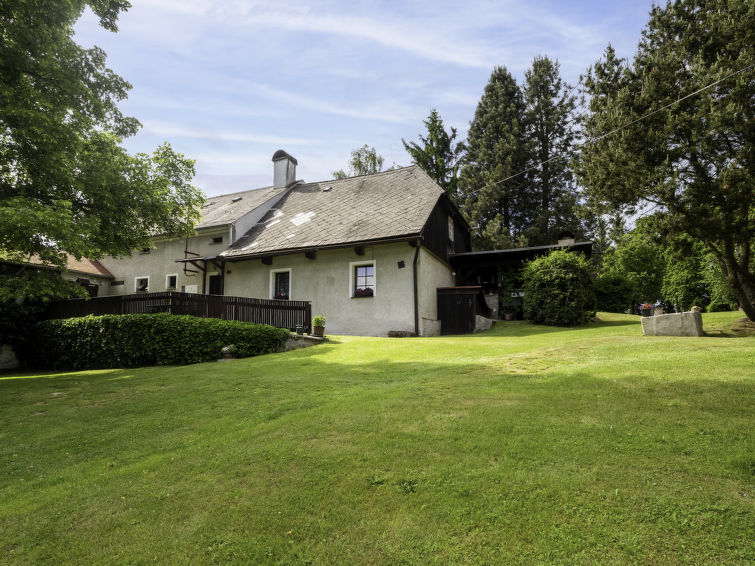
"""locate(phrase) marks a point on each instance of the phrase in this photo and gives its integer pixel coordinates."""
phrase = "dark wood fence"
(282, 314)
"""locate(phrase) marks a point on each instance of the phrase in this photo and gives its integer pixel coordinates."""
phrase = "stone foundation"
(680, 324)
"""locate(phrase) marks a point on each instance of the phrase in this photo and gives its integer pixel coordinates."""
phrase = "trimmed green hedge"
(147, 339)
(558, 289)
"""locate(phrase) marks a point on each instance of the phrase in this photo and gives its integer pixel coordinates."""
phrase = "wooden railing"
(282, 314)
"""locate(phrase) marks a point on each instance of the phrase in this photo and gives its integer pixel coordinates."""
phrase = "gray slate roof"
(221, 210)
(387, 205)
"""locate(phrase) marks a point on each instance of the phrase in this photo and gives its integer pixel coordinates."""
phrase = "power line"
(624, 126)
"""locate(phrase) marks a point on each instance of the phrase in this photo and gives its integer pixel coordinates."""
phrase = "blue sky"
(228, 82)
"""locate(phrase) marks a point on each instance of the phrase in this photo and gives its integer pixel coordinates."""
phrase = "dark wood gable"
(436, 235)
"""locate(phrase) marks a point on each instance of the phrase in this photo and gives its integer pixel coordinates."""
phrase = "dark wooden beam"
(359, 250)
(310, 254)
(267, 260)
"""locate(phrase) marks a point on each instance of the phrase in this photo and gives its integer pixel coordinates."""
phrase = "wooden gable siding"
(435, 232)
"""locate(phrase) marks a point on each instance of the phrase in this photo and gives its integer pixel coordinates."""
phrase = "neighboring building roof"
(370, 208)
(226, 209)
(83, 266)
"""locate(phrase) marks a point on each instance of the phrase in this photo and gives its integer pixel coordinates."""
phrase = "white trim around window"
(167, 282)
(352, 268)
(272, 282)
(136, 283)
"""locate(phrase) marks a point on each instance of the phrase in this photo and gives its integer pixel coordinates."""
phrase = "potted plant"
(229, 351)
(364, 292)
(318, 325)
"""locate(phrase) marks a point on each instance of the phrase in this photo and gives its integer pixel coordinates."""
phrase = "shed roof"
(370, 208)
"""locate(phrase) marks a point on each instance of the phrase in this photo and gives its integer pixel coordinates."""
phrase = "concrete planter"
(680, 324)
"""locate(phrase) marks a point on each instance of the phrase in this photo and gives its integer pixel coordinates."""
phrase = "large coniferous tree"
(496, 150)
(549, 203)
(437, 154)
(684, 140)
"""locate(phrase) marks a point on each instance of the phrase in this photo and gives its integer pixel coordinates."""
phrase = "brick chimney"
(284, 169)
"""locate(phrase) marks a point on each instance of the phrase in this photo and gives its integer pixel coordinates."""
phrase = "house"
(369, 252)
(90, 274)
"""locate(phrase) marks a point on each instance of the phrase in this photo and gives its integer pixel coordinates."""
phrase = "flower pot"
(318, 331)
(508, 316)
(227, 355)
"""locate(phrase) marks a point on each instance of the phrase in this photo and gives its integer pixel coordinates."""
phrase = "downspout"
(416, 300)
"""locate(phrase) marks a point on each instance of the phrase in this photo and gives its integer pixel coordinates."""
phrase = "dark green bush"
(614, 292)
(721, 307)
(558, 289)
(147, 339)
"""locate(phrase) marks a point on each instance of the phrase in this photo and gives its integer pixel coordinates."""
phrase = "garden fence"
(281, 314)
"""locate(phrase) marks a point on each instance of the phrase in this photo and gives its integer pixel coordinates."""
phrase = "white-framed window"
(280, 284)
(362, 279)
(141, 284)
(171, 281)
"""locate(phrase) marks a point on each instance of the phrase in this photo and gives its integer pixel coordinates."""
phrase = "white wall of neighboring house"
(160, 262)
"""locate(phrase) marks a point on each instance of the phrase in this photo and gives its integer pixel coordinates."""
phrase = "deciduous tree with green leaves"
(364, 161)
(437, 154)
(673, 130)
(66, 184)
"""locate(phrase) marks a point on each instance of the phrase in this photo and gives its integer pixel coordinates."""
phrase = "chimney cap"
(280, 154)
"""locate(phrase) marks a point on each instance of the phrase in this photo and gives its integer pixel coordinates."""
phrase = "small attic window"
(145, 251)
(208, 204)
(326, 189)
(236, 199)
(217, 240)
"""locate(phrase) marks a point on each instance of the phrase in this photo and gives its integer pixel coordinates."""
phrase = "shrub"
(614, 292)
(147, 339)
(558, 289)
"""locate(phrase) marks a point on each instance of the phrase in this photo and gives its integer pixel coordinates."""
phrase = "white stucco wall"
(326, 282)
(161, 261)
(432, 273)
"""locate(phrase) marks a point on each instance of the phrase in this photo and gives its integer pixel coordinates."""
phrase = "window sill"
(363, 296)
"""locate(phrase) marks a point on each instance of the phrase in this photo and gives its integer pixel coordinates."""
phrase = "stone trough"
(679, 324)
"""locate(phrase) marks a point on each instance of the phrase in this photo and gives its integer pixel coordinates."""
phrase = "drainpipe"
(416, 245)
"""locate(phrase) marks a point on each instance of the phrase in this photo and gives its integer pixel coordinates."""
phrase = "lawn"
(520, 445)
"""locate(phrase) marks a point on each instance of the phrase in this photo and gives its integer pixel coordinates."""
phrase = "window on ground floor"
(280, 284)
(141, 285)
(362, 279)
(171, 281)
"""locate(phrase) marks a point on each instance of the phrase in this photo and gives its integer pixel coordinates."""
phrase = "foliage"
(612, 446)
(684, 276)
(687, 144)
(318, 320)
(364, 161)
(550, 202)
(147, 339)
(496, 150)
(558, 289)
(437, 155)
(638, 257)
(615, 292)
(66, 184)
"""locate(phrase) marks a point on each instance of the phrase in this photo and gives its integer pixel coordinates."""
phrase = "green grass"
(524, 444)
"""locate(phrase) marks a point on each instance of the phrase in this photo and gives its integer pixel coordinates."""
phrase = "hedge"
(558, 289)
(130, 340)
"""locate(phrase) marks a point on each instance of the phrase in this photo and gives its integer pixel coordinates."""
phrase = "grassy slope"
(521, 445)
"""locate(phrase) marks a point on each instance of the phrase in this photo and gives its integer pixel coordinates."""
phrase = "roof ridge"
(394, 170)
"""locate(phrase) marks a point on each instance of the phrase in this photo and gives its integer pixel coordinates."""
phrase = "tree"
(66, 184)
(550, 202)
(364, 161)
(496, 150)
(638, 257)
(685, 144)
(437, 155)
